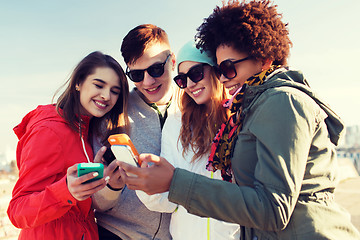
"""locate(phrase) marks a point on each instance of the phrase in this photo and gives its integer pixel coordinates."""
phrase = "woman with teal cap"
(189, 133)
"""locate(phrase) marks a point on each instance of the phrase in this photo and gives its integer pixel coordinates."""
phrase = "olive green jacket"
(284, 164)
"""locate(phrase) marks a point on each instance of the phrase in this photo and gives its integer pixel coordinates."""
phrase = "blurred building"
(350, 147)
(7, 159)
(352, 136)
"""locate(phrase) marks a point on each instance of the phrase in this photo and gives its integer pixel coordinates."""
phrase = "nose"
(148, 80)
(105, 94)
(189, 83)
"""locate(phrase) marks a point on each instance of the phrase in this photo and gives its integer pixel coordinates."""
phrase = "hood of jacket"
(44, 113)
(36, 116)
(293, 78)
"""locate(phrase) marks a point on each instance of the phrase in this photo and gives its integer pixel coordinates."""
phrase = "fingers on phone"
(144, 165)
(111, 169)
(85, 178)
(113, 166)
(99, 154)
(72, 170)
(129, 170)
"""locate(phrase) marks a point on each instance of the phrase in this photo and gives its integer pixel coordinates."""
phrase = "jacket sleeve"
(157, 202)
(105, 199)
(283, 127)
(40, 194)
(160, 202)
(170, 133)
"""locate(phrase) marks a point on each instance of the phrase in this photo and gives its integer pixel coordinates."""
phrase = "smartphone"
(84, 168)
(123, 149)
(108, 156)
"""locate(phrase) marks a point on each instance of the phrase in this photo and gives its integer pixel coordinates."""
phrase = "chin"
(98, 115)
(153, 99)
(200, 102)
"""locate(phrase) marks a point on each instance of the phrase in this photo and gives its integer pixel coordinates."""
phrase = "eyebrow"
(102, 81)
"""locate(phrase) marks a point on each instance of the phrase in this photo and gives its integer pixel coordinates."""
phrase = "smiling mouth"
(197, 91)
(233, 87)
(150, 90)
(100, 104)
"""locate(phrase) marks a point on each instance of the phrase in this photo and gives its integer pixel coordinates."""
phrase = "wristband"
(114, 189)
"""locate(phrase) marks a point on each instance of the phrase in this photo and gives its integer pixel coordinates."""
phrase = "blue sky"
(41, 42)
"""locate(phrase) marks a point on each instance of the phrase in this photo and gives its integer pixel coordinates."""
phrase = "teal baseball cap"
(189, 52)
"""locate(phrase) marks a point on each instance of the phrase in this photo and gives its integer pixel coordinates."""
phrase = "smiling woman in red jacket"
(49, 201)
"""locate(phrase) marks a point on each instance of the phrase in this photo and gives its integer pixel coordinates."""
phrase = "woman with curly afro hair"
(278, 144)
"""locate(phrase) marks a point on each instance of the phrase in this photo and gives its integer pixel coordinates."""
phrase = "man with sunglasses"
(147, 54)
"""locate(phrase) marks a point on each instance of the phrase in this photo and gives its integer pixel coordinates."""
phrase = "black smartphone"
(109, 156)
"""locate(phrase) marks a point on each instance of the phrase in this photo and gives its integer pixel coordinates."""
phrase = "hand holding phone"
(85, 168)
(78, 189)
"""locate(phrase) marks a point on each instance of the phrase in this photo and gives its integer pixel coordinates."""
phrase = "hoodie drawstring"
(83, 145)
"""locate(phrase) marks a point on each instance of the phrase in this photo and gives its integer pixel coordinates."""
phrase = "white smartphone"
(124, 153)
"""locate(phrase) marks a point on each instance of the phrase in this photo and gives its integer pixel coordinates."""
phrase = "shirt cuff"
(60, 190)
(109, 194)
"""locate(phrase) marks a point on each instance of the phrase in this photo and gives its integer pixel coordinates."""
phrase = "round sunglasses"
(155, 70)
(195, 73)
(227, 68)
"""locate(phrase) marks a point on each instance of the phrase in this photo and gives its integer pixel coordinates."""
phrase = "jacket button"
(69, 201)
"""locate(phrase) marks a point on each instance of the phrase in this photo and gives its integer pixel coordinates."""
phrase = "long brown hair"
(68, 104)
(199, 123)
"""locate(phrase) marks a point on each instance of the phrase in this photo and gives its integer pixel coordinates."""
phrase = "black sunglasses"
(227, 68)
(155, 70)
(195, 73)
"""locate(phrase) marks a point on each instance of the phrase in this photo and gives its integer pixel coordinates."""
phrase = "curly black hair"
(255, 28)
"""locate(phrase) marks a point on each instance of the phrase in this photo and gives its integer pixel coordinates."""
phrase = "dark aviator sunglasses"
(195, 73)
(227, 68)
(155, 70)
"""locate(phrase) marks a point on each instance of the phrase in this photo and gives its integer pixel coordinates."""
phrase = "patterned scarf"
(223, 143)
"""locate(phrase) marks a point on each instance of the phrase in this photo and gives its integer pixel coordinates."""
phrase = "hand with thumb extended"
(154, 176)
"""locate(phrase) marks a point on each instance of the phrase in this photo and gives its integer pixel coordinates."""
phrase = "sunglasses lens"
(196, 73)
(156, 70)
(227, 68)
(181, 80)
(136, 75)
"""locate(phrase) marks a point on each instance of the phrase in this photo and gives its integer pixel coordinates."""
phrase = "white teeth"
(233, 87)
(197, 91)
(152, 89)
(101, 104)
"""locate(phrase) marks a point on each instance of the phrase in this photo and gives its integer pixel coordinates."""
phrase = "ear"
(266, 64)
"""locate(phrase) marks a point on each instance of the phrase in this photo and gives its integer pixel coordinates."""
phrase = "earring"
(77, 88)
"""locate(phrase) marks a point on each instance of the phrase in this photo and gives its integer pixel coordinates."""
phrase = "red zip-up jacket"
(41, 203)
